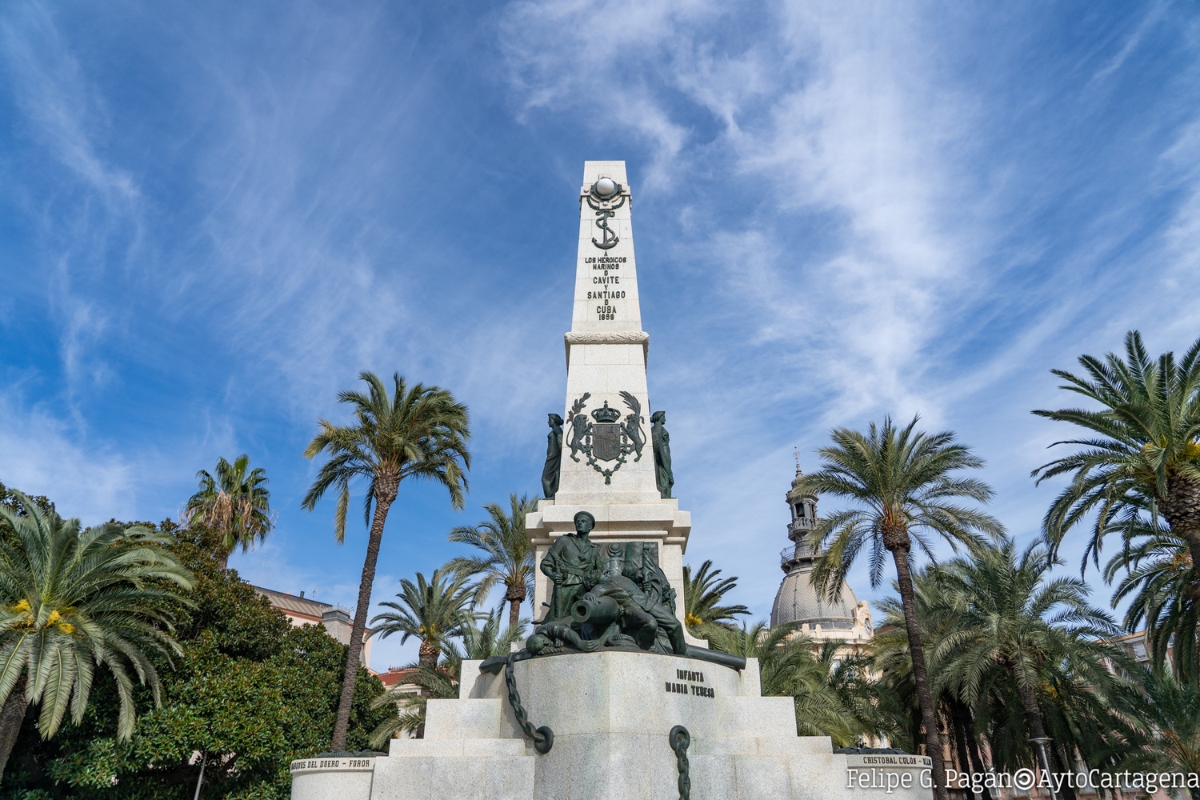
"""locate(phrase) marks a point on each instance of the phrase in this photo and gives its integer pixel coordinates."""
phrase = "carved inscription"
(694, 684)
(333, 763)
(606, 285)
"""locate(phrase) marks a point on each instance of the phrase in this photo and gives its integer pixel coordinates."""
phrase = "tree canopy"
(250, 694)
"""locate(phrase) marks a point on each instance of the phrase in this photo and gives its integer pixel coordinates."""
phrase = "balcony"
(801, 526)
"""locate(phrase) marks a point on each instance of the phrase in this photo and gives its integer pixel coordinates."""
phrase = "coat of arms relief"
(606, 437)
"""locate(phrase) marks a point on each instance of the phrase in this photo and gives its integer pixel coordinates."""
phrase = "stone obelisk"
(607, 456)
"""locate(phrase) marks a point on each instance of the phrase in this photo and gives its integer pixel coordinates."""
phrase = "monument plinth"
(610, 699)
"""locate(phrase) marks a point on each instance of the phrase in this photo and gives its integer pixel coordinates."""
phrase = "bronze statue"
(611, 596)
(572, 562)
(640, 592)
(580, 428)
(554, 444)
(661, 441)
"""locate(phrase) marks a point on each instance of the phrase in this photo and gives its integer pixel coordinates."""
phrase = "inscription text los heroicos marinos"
(606, 284)
(693, 678)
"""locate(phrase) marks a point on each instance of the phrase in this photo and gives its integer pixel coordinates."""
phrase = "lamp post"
(1040, 742)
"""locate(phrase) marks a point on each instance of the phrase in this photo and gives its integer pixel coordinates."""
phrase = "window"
(800, 511)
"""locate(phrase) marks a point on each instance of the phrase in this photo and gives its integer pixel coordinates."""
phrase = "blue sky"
(213, 216)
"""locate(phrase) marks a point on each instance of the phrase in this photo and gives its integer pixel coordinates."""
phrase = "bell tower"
(798, 600)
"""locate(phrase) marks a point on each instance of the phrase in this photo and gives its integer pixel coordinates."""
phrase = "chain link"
(679, 739)
(543, 737)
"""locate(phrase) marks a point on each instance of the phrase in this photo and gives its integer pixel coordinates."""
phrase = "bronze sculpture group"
(612, 595)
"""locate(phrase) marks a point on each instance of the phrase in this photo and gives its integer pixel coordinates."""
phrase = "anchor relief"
(605, 197)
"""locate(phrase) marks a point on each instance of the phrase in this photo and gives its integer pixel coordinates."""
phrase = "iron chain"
(679, 739)
(543, 737)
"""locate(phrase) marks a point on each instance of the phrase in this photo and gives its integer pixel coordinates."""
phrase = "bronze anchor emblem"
(605, 197)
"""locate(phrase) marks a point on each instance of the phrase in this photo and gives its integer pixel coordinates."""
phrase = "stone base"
(611, 714)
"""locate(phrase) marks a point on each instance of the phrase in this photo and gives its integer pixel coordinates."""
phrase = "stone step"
(762, 746)
(459, 777)
(756, 717)
(469, 719)
(452, 748)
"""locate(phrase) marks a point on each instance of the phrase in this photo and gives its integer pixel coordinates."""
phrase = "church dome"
(799, 601)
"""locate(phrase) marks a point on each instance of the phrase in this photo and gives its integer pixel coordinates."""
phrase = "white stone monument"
(614, 714)
(606, 356)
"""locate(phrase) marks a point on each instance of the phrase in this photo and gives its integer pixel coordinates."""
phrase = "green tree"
(839, 699)
(1166, 713)
(902, 487)
(416, 433)
(1011, 615)
(702, 597)
(441, 682)
(896, 703)
(1157, 568)
(235, 503)
(74, 600)
(250, 694)
(831, 694)
(431, 610)
(16, 501)
(507, 554)
(1142, 454)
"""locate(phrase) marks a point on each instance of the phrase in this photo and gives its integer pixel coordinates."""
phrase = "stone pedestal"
(611, 714)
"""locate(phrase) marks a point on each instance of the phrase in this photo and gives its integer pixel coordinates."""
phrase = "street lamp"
(1041, 742)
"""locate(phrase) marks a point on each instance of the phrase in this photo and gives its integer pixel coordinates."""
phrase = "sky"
(214, 215)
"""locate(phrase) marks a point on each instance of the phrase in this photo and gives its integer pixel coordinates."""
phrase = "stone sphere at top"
(606, 187)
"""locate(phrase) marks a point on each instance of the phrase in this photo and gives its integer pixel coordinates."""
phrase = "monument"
(610, 698)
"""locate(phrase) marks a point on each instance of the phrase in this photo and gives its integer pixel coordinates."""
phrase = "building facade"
(305, 611)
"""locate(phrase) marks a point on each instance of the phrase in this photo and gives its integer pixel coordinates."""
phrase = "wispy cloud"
(39, 454)
(887, 261)
(843, 210)
(58, 102)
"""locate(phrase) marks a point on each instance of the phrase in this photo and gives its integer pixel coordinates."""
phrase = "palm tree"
(897, 704)
(508, 555)
(431, 610)
(1158, 571)
(1012, 616)
(896, 701)
(829, 693)
(235, 504)
(441, 682)
(783, 655)
(1144, 453)
(1083, 723)
(839, 699)
(74, 600)
(1167, 713)
(702, 596)
(484, 642)
(419, 432)
(900, 482)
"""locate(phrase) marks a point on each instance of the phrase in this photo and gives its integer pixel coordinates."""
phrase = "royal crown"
(606, 414)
